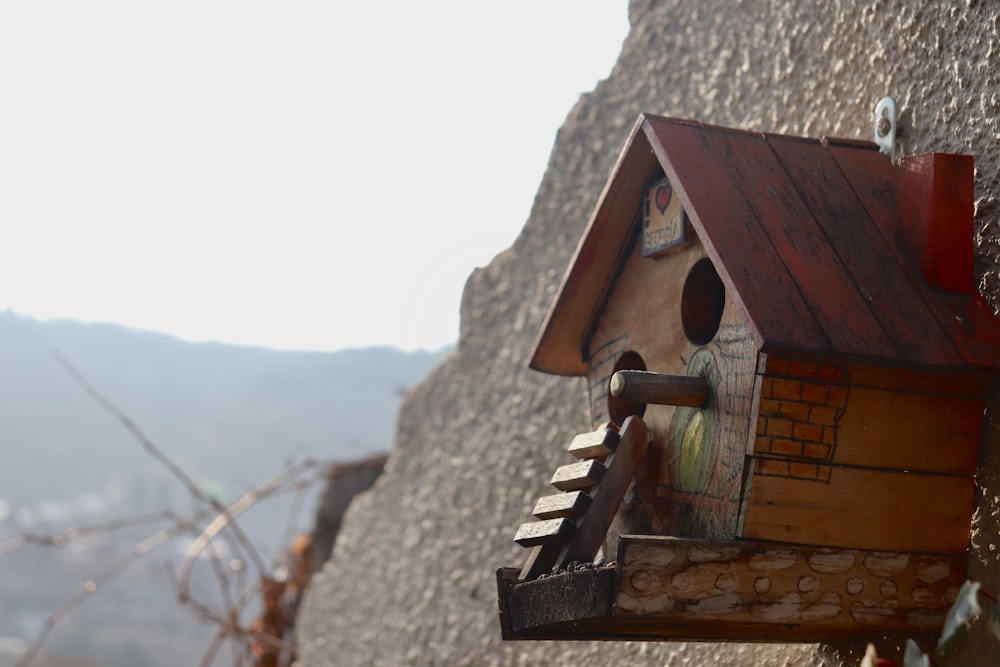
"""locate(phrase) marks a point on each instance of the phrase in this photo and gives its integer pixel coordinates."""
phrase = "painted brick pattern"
(800, 405)
(602, 364)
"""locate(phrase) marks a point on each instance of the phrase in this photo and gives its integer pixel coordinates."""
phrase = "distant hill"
(231, 416)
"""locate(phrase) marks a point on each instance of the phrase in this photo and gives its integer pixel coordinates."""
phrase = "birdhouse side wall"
(853, 456)
(691, 479)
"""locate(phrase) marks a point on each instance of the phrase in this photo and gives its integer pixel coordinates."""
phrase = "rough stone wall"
(344, 482)
(413, 582)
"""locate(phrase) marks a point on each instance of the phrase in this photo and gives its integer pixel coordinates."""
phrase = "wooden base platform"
(665, 588)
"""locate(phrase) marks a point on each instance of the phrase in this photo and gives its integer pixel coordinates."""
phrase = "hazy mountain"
(232, 415)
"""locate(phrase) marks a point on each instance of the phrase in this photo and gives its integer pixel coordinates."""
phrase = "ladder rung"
(595, 444)
(578, 476)
(562, 505)
(537, 533)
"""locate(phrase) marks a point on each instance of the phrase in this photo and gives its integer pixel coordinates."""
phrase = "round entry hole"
(702, 302)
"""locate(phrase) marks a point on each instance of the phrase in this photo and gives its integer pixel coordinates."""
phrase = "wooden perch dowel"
(660, 389)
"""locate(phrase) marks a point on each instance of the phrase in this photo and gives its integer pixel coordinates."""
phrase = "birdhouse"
(787, 364)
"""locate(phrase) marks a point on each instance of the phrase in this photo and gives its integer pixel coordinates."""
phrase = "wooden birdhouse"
(787, 362)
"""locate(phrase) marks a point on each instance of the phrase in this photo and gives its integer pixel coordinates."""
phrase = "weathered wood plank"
(564, 597)
(856, 241)
(735, 590)
(660, 388)
(750, 590)
(965, 384)
(578, 476)
(506, 578)
(748, 259)
(979, 329)
(968, 321)
(879, 377)
(906, 431)
(825, 283)
(804, 503)
(541, 533)
(562, 505)
(873, 177)
(592, 527)
(596, 444)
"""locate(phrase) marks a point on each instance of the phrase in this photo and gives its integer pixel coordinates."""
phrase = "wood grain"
(562, 505)
(714, 197)
(907, 431)
(660, 388)
(859, 507)
(578, 476)
(844, 314)
(596, 444)
(870, 417)
(972, 327)
(851, 236)
(535, 604)
(539, 533)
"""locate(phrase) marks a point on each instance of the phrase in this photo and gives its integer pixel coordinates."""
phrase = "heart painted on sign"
(663, 197)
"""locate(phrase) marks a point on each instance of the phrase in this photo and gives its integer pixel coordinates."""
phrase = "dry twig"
(280, 588)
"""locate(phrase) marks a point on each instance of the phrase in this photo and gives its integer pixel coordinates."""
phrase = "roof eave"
(559, 348)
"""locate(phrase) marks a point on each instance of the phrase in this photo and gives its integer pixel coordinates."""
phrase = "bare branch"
(265, 636)
(213, 648)
(235, 509)
(89, 588)
(74, 532)
(157, 453)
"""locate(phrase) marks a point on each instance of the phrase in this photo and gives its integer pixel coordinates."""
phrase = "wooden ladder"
(572, 525)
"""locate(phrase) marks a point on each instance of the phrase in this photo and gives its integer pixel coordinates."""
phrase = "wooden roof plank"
(802, 281)
(825, 283)
(873, 180)
(740, 248)
(872, 177)
(978, 338)
(895, 302)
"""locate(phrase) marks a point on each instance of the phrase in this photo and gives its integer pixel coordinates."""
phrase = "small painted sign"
(662, 218)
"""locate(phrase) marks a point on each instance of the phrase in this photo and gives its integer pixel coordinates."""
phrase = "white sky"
(298, 174)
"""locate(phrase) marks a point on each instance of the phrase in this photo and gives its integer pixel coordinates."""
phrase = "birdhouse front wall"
(669, 314)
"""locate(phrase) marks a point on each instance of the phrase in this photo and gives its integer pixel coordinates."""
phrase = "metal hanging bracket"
(885, 126)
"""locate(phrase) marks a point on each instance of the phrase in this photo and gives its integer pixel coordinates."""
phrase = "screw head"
(884, 126)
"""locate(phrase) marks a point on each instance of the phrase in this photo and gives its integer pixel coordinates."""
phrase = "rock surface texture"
(412, 576)
(344, 482)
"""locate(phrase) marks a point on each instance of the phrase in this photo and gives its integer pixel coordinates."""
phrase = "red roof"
(804, 234)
